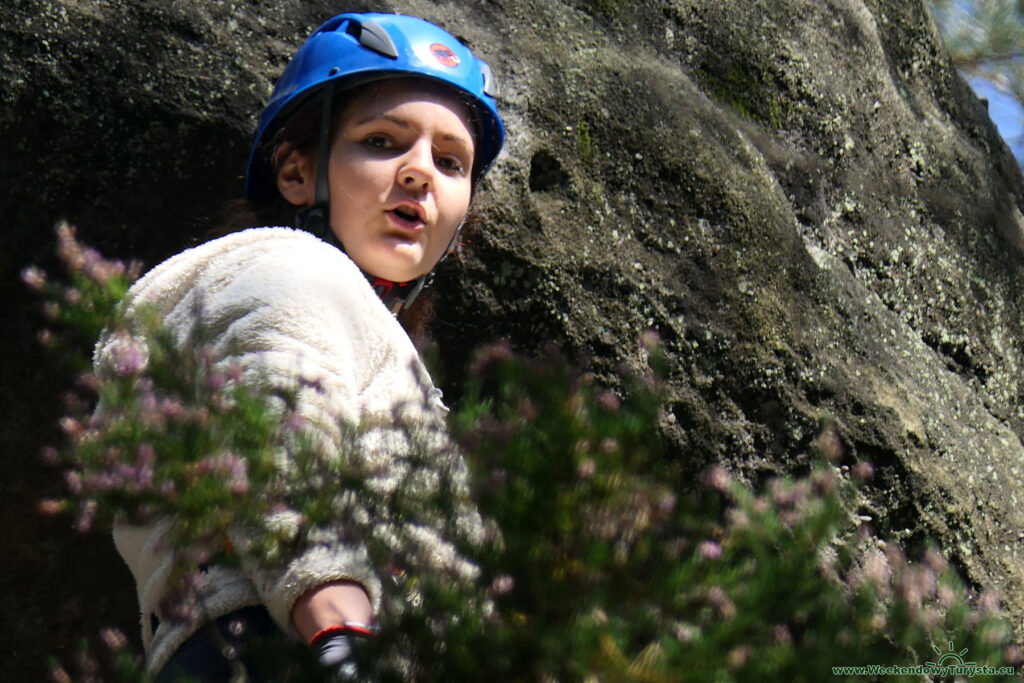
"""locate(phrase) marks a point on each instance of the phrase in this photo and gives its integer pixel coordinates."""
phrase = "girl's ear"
(296, 174)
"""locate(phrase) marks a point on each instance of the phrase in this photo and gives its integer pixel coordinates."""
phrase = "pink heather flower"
(874, 571)
(936, 560)
(74, 482)
(50, 506)
(502, 584)
(864, 471)
(127, 355)
(179, 605)
(220, 402)
(738, 518)
(234, 372)
(46, 338)
(172, 409)
(236, 627)
(149, 408)
(490, 356)
(59, 675)
(50, 455)
(915, 586)
(86, 516)
(789, 495)
(527, 410)
(113, 639)
(68, 248)
(142, 472)
(709, 550)
(989, 602)
(830, 445)
(111, 456)
(666, 503)
(609, 401)
(685, 633)
(146, 455)
(718, 478)
(201, 416)
(215, 381)
(587, 468)
(738, 657)
(650, 339)
(946, 595)
(721, 602)
(231, 466)
(88, 262)
(51, 311)
(72, 296)
(34, 278)
(101, 482)
(894, 555)
(994, 634)
(759, 506)
(931, 618)
(240, 485)
(824, 482)
(89, 382)
(876, 568)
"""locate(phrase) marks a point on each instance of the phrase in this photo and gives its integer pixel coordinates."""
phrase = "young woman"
(371, 146)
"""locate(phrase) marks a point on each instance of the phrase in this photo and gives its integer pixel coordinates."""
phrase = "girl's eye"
(377, 142)
(451, 165)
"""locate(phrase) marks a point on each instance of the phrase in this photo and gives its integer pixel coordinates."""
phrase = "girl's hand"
(331, 604)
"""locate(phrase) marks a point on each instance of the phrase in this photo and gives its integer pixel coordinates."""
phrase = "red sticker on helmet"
(444, 55)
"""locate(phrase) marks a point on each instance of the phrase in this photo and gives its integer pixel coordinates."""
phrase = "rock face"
(802, 199)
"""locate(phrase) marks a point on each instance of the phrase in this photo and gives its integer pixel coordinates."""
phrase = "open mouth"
(407, 213)
(406, 217)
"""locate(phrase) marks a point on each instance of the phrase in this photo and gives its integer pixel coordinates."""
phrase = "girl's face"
(400, 177)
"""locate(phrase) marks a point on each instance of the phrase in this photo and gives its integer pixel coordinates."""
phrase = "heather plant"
(600, 561)
(611, 567)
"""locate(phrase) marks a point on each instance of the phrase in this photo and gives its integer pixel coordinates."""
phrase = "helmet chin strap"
(397, 295)
(316, 220)
(316, 217)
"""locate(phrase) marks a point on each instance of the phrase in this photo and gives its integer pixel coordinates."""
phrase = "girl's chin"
(396, 270)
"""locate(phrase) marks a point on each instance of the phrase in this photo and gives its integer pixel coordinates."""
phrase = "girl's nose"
(417, 172)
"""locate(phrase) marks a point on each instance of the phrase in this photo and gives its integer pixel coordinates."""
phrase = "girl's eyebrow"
(403, 123)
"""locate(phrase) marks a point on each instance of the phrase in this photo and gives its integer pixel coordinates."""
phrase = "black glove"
(336, 648)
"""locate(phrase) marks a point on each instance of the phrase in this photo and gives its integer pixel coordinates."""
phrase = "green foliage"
(599, 562)
(584, 142)
(612, 568)
(985, 39)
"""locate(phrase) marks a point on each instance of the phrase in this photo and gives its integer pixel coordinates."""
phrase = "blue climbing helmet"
(353, 49)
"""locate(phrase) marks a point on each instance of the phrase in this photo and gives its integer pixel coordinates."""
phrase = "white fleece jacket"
(288, 306)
